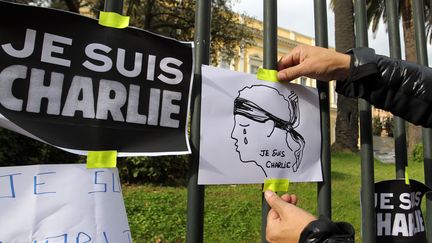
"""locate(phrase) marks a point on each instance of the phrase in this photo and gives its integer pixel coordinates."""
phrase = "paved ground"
(384, 149)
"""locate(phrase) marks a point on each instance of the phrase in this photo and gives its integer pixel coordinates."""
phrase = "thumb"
(290, 73)
(275, 202)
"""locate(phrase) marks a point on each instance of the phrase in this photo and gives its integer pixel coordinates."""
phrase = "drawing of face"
(248, 135)
(263, 130)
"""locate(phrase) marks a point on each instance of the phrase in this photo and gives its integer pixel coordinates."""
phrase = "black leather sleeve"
(325, 231)
(401, 87)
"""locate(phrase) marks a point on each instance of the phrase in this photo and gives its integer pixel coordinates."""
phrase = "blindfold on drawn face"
(254, 112)
(251, 110)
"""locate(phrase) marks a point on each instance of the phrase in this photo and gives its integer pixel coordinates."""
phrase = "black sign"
(78, 85)
(398, 213)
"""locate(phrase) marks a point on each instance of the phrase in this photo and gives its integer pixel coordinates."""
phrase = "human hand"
(314, 62)
(285, 221)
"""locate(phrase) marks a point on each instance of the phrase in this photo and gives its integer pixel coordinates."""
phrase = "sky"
(298, 15)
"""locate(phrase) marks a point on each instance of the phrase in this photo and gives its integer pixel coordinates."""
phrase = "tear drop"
(245, 141)
(244, 130)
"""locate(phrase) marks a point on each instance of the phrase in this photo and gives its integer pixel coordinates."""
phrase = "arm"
(403, 88)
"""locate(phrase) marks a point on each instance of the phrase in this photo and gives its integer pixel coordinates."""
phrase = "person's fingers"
(290, 73)
(294, 199)
(286, 62)
(289, 198)
(272, 215)
(274, 201)
(292, 59)
(286, 198)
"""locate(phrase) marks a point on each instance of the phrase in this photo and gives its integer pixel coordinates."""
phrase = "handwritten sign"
(80, 86)
(61, 203)
(252, 130)
(398, 211)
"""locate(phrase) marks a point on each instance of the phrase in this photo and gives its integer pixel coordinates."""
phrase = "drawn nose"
(234, 134)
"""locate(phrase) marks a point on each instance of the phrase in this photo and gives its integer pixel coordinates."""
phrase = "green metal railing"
(195, 204)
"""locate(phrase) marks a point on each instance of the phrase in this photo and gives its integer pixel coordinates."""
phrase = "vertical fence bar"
(195, 205)
(270, 34)
(419, 26)
(114, 6)
(367, 160)
(270, 62)
(323, 188)
(399, 132)
(427, 152)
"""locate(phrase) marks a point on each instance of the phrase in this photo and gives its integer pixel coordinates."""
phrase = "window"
(224, 63)
(253, 69)
(254, 63)
(303, 81)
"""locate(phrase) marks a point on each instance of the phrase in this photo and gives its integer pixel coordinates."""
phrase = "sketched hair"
(251, 110)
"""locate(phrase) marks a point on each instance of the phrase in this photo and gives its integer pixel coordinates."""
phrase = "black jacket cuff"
(363, 64)
(324, 230)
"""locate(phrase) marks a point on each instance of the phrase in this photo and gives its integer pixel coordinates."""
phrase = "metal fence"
(195, 205)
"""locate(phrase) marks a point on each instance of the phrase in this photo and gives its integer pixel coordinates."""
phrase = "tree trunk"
(347, 108)
(414, 132)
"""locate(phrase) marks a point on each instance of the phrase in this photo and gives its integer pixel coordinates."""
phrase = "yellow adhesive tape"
(114, 20)
(267, 74)
(101, 159)
(276, 185)
(406, 176)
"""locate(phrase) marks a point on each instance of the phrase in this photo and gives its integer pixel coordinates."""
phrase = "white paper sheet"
(61, 203)
(253, 129)
(68, 101)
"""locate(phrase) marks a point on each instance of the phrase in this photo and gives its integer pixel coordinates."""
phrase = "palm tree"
(376, 13)
(347, 108)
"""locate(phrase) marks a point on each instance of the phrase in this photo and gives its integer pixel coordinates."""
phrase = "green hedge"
(16, 149)
(417, 153)
(167, 170)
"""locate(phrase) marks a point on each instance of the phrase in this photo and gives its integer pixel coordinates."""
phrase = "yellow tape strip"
(101, 159)
(276, 185)
(267, 74)
(406, 176)
(114, 20)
